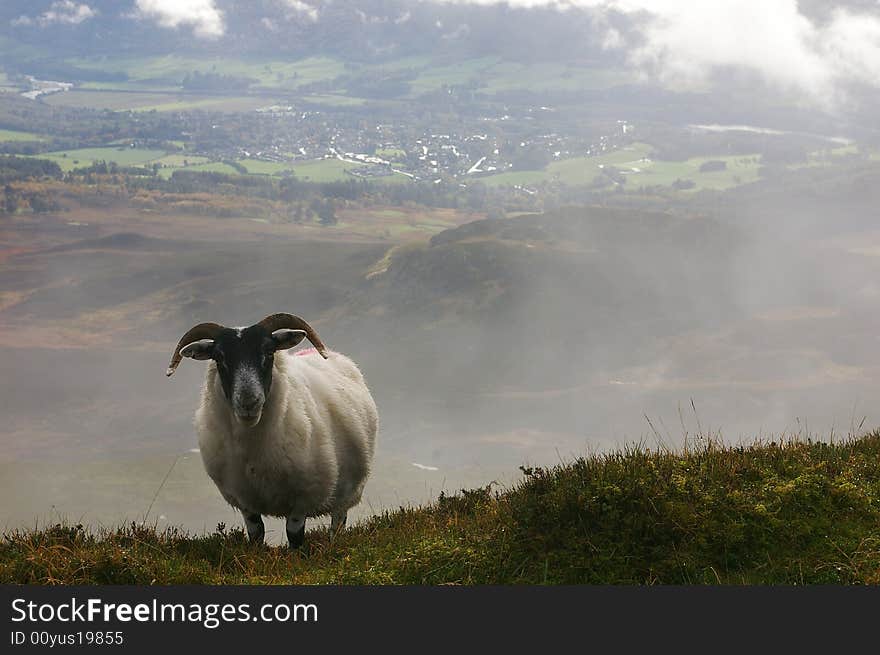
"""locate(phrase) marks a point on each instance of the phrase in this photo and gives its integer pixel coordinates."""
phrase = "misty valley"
(524, 340)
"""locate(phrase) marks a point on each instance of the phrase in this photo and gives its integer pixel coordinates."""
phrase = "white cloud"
(300, 9)
(688, 43)
(64, 11)
(203, 15)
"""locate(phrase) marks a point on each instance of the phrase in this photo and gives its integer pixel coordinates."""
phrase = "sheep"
(281, 434)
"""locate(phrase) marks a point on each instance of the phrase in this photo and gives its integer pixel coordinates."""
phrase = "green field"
(741, 169)
(492, 75)
(171, 69)
(324, 170)
(334, 100)
(213, 103)
(134, 87)
(315, 170)
(114, 100)
(124, 100)
(178, 160)
(206, 166)
(15, 135)
(507, 76)
(639, 170)
(209, 167)
(434, 77)
(70, 159)
(833, 155)
(259, 167)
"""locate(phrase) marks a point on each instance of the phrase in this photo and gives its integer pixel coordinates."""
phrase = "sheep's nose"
(250, 403)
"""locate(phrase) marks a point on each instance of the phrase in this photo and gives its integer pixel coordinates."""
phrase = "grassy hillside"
(792, 513)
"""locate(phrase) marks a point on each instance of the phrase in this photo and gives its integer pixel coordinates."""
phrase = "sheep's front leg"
(255, 529)
(296, 531)
(337, 523)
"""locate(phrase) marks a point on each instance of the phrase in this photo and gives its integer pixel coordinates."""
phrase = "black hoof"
(255, 528)
(295, 539)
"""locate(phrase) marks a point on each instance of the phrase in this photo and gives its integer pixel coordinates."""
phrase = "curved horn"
(196, 333)
(291, 322)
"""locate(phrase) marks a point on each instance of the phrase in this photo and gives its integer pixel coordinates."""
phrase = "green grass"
(113, 100)
(493, 75)
(741, 169)
(773, 513)
(162, 70)
(324, 170)
(334, 100)
(316, 170)
(15, 135)
(258, 167)
(639, 169)
(181, 160)
(216, 103)
(548, 77)
(435, 77)
(833, 155)
(213, 167)
(70, 159)
(396, 178)
(136, 87)
(154, 101)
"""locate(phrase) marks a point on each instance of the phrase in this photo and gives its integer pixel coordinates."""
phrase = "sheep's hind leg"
(296, 531)
(337, 523)
(255, 528)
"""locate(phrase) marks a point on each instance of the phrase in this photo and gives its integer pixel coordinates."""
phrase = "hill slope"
(793, 513)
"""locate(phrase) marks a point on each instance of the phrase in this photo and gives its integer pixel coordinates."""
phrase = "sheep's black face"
(244, 362)
(244, 358)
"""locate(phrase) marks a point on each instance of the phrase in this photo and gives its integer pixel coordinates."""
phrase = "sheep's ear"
(284, 339)
(198, 350)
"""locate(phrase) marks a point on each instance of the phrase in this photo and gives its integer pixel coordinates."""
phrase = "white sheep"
(287, 435)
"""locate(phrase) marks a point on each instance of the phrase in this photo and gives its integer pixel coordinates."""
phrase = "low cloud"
(687, 43)
(202, 15)
(690, 43)
(64, 12)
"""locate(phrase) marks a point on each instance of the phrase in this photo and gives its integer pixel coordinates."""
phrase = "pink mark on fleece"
(307, 351)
